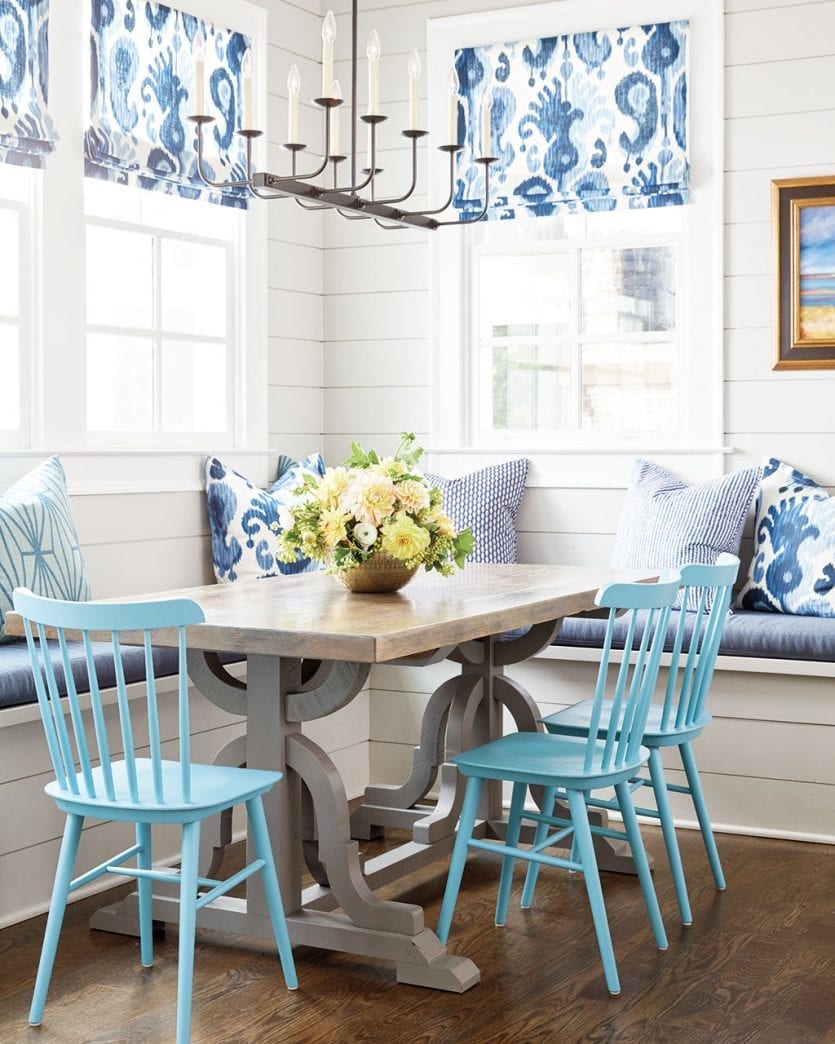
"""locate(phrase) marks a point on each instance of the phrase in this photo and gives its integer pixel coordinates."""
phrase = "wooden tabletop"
(312, 615)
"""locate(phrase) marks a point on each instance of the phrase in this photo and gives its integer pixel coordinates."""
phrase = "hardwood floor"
(757, 966)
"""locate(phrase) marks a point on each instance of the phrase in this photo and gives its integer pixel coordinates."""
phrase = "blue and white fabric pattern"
(143, 88)
(793, 567)
(27, 132)
(587, 121)
(39, 546)
(242, 516)
(488, 502)
(665, 523)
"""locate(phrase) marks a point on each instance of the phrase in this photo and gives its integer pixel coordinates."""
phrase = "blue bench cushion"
(767, 635)
(17, 686)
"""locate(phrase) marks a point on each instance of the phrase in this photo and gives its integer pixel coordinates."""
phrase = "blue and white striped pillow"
(665, 523)
(39, 546)
(487, 501)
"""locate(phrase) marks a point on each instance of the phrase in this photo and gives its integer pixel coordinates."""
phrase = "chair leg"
(691, 770)
(57, 905)
(539, 836)
(514, 829)
(459, 855)
(269, 877)
(188, 925)
(639, 857)
(585, 848)
(145, 887)
(668, 829)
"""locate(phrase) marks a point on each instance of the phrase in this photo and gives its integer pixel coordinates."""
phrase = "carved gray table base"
(364, 923)
(462, 712)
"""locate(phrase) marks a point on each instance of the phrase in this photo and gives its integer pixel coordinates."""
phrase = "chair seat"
(540, 758)
(574, 721)
(213, 787)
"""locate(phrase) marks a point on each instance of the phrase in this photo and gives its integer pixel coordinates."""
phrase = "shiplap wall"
(780, 118)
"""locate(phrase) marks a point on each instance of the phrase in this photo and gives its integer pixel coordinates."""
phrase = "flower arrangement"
(369, 505)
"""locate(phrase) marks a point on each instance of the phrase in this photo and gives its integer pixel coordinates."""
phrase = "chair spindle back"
(74, 748)
(688, 683)
(638, 672)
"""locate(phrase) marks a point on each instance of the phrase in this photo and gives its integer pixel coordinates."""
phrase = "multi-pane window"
(161, 313)
(576, 330)
(16, 185)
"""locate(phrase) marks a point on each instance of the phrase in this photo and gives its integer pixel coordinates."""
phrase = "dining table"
(309, 645)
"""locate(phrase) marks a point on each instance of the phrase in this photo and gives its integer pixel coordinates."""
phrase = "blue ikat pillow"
(793, 567)
(665, 523)
(488, 502)
(241, 516)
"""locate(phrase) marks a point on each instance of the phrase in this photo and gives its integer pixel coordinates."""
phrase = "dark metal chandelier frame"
(347, 200)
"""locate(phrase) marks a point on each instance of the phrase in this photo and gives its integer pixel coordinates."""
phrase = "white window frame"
(699, 452)
(26, 210)
(54, 378)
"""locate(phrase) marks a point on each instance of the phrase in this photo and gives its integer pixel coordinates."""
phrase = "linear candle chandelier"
(356, 200)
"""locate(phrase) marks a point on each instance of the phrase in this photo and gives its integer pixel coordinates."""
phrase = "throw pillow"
(793, 568)
(487, 501)
(665, 523)
(241, 517)
(39, 546)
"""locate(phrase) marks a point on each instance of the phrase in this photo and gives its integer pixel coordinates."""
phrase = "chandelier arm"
(487, 161)
(355, 188)
(389, 228)
(452, 150)
(200, 121)
(414, 135)
(312, 206)
(260, 194)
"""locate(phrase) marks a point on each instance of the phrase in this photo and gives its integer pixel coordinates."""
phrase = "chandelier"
(357, 199)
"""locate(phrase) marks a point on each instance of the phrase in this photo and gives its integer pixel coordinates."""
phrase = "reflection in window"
(577, 336)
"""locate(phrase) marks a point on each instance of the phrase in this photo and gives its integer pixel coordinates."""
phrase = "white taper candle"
(328, 37)
(293, 87)
(414, 83)
(373, 53)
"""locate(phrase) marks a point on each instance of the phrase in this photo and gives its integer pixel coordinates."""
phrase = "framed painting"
(803, 212)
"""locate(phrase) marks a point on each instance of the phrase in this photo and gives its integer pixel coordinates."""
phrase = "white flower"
(286, 518)
(365, 534)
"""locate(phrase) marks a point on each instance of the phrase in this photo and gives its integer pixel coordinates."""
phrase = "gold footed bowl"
(380, 574)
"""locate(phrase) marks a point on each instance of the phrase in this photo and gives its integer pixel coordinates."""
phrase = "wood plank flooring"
(758, 966)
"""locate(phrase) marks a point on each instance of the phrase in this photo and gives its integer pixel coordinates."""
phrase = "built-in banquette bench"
(767, 761)
(137, 525)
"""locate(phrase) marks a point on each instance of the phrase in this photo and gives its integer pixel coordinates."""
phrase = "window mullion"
(576, 398)
(156, 282)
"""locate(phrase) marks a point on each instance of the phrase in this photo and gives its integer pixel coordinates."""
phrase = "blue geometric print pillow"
(793, 568)
(241, 516)
(488, 502)
(39, 546)
(665, 523)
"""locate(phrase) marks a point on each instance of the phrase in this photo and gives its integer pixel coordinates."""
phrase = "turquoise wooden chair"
(572, 767)
(140, 790)
(675, 722)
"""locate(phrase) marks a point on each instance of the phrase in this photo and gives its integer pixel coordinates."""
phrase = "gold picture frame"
(803, 219)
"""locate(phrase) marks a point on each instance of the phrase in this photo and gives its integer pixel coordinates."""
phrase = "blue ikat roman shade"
(587, 121)
(27, 133)
(143, 90)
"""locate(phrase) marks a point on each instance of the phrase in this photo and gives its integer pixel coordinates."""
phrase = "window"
(129, 319)
(161, 324)
(575, 329)
(17, 185)
(583, 339)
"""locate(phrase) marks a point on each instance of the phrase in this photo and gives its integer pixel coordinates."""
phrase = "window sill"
(578, 469)
(97, 472)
